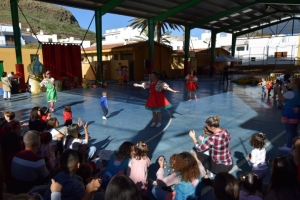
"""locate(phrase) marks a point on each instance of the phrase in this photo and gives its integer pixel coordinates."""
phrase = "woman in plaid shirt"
(219, 158)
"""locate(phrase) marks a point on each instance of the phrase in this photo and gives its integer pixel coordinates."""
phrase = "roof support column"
(187, 35)
(293, 26)
(233, 44)
(213, 46)
(98, 22)
(18, 46)
(16, 28)
(151, 43)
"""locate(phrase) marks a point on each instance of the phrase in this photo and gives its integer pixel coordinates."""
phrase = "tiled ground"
(242, 109)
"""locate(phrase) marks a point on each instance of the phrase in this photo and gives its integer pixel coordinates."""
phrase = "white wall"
(6, 28)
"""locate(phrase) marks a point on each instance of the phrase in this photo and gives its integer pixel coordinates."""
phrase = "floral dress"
(156, 99)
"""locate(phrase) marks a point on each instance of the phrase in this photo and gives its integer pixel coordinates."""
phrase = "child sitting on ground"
(9, 116)
(47, 150)
(73, 141)
(251, 184)
(118, 163)
(257, 157)
(138, 167)
(67, 116)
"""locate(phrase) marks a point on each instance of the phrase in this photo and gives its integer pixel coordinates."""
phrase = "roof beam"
(263, 26)
(280, 2)
(222, 14)
(244, 22)
(236, 9)
(110, 5)
(254, 19)
(176, 10)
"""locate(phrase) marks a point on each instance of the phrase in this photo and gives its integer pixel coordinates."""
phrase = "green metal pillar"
(98, 22)
(16, 28)
(151, 43)
(293, 26)
(233, 44)
(187, 34)
(213, 46)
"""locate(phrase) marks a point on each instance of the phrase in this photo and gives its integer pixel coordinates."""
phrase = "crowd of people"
(58, 162)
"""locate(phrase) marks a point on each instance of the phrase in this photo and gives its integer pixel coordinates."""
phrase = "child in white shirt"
(257, 157)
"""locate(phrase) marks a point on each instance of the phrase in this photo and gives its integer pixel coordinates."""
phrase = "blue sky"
(112, 21)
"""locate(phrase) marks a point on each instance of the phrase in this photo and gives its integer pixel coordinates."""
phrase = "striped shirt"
(218, 145)
(28, 168)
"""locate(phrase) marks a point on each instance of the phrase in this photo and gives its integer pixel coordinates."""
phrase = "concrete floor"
(242, 110)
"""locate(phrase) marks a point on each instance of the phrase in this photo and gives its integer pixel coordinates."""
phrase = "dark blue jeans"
(291, 132)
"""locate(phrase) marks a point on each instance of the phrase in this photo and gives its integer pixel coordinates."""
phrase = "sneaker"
(285, 148)
(104, 117)
(158, 125)
(4, 98)
(153, 124)
(196, 99)
(190, 99)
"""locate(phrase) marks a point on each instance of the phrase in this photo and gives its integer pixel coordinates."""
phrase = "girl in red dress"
(156, 100)
(191, 84)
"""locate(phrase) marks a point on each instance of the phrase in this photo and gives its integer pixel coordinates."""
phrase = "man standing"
(119, 70)
(27, 168)
(225, 74)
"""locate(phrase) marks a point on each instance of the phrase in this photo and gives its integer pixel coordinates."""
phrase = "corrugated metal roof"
(221, 16)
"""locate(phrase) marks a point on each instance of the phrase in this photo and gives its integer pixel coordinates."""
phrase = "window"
(106, 57)
(280, 54)
(49, 39)
(92, 58)
(127, 56)
(252, 59)
(178, 47)
(242, 48)
(34, 57)
(116, 57)
(10, 40)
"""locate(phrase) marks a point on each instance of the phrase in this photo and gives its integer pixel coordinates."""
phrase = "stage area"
(242, 110)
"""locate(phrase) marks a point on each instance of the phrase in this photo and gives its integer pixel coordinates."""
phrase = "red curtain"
(62, 60)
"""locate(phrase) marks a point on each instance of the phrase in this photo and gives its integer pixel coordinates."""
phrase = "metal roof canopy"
(230, 16)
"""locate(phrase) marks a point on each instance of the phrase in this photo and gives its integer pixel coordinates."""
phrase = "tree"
(161, 28)
(144, 37)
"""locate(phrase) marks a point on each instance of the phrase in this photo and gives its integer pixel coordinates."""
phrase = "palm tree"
(144, 37)
(161, 27)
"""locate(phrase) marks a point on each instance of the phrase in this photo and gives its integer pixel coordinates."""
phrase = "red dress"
(157, 99)
(191, 84)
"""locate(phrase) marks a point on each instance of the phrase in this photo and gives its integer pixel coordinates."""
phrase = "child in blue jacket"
(103, 104)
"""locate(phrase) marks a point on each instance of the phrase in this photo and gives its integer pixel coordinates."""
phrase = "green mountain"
(50, 18)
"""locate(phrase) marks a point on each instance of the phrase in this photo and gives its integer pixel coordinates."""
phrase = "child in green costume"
(51, 94)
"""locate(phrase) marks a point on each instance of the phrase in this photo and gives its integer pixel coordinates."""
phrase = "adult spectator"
(6, 84)
(27, 168)
(188, 170)
(219, 158)
(283, 182)
(11, 143)
(296, 156)
(290, 111)
(34, 120)
(225, 74)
